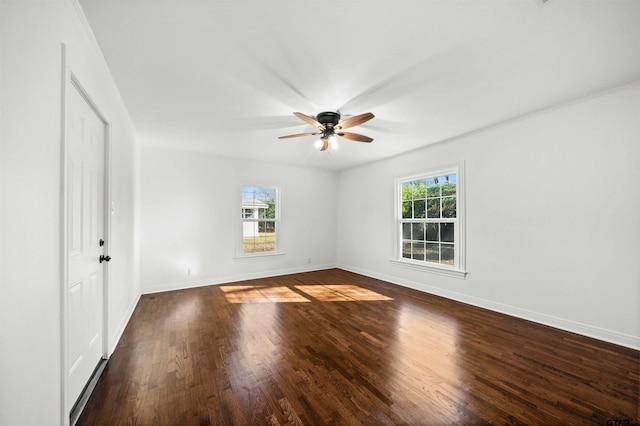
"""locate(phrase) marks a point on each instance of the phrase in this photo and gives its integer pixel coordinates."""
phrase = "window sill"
(259, 256)
(454, 273)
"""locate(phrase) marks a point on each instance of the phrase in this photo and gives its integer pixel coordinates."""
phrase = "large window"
(429, 226)
(259, 219)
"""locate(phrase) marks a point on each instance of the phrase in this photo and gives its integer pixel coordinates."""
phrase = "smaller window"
(259, 219)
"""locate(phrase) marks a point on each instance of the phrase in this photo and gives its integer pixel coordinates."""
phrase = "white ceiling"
(224, 76)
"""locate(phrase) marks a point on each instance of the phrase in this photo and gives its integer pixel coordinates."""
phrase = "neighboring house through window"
(259, 219)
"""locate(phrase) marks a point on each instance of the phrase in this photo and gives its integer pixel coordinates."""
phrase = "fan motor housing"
(328, 119)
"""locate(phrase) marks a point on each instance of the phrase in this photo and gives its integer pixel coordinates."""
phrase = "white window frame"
(240, 254)
(458, 269)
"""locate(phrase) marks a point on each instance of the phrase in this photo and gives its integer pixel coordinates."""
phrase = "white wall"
(553, 208)
(190, 219)
(31, 154)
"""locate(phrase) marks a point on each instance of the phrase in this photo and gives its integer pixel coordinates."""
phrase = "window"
(259, 219)
(429, 225)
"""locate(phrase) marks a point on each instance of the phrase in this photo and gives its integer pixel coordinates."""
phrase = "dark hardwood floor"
(332, 347)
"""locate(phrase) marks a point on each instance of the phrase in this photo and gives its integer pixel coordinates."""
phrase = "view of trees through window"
(428, 219)
(259, 219)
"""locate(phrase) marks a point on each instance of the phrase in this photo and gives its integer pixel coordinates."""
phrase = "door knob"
(104, 258)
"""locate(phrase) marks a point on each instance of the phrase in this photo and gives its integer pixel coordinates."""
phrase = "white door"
(85, 227)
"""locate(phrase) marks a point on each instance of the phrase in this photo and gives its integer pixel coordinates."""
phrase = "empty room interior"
(319, 212)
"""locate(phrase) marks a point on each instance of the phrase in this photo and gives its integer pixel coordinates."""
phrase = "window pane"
(270, 211)
(268, 197)
(433, 252)
(448, 207)
(406, 210)
(432, 231)
(419, 189)
(452, 178)
(265, 194)
(449, 185)
(248, 240)
(418, 209)
(406, 191)
(446, 232)
(260, 243)
(247, 192)
(406, 231)
(418, 231)
(269, 236)
(447, 254)
(248, 244)
(418, 251)
(433, 207)
(433, 188)
(406, 250)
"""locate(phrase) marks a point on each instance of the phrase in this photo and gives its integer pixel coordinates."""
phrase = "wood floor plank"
(333, 347)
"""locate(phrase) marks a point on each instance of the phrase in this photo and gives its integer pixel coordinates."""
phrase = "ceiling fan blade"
(309, 120)
(299, 135)
(325, 144)
(355, 137)
(356, 120)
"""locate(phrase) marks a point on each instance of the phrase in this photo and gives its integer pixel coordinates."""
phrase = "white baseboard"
(610, 336)
(115, 337)
(181, 285)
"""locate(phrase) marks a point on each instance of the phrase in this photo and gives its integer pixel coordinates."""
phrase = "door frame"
(70, 81)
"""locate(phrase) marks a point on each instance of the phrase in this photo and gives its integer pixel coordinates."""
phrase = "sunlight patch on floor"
(341, 293)
(302, 293)
(253, 294)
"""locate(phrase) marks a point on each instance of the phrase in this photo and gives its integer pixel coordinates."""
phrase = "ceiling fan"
(330, 126)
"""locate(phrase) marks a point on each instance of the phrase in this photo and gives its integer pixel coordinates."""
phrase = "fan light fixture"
(327, 141)
(330, 126)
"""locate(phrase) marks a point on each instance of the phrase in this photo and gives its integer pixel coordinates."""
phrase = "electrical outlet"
(189, 271)
(309, 260)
